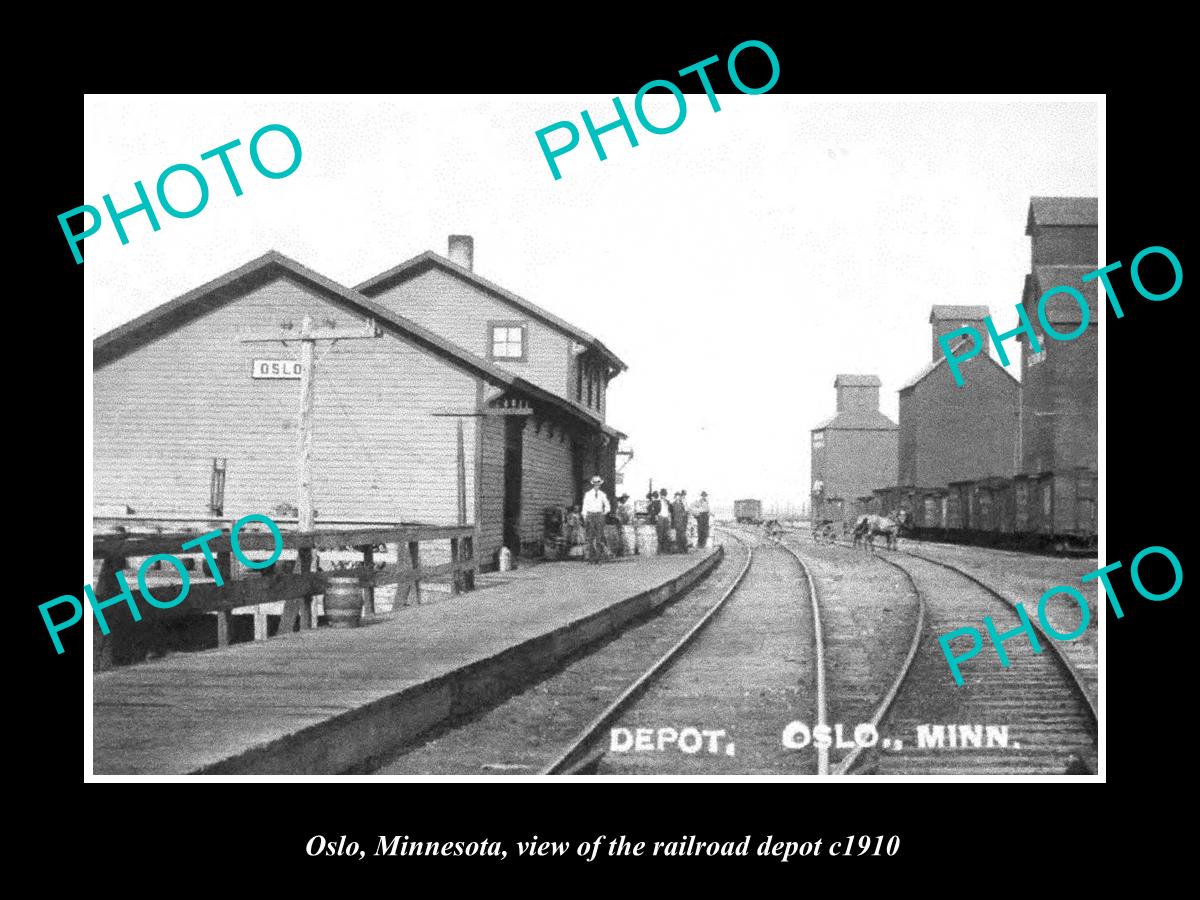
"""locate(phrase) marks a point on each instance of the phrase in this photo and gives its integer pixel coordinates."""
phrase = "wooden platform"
(329, 700)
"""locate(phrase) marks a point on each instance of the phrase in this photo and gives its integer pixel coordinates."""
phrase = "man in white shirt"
(595, 507)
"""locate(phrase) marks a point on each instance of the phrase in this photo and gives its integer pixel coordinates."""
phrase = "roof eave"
(414, 266)
(110, 345)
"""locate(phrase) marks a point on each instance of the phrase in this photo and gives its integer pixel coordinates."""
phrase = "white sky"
(736, 265)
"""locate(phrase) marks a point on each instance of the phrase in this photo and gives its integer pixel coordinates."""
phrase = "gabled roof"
(963, 313)
(1062, 211)
(930, 367)
(423, 262)
(857, 381)
(858, 420)
(273, 265)
(1061, 307)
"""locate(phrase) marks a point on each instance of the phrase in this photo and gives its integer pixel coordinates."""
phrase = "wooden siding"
(163, 411)
(1064, 245)
(546, 477)
(950, 433)
(854, 462)
(1060, 409)
(460, 312)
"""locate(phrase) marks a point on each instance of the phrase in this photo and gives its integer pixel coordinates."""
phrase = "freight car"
(748, 512)
(1053, 511)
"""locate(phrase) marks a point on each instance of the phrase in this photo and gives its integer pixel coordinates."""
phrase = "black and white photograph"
(680, 434)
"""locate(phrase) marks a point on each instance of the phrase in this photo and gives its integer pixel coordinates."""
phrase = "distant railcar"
(1049, 511)
(748, 512)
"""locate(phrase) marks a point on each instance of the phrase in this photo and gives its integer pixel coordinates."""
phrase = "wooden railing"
(291, 581)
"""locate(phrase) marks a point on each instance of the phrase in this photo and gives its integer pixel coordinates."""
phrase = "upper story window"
(508, 340)
(818, 440)
(589, 383)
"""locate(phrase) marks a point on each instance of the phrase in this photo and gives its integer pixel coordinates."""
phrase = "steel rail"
(1063, 660)
(819, 648)
(572, 760)
(1060, 657)
(848, 761)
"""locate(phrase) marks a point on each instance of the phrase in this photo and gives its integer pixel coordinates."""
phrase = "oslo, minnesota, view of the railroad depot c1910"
(436, 451)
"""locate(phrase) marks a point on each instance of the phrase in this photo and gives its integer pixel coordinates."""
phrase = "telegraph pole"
(462, 477)
(308, 336)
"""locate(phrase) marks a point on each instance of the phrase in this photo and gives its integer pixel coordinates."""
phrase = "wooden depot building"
(184, 386)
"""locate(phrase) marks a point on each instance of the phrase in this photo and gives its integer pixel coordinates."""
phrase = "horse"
(861, 526)
(888, 527)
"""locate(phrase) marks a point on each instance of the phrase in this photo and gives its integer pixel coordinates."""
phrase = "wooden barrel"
(647, 540)
(344, 601)
(628, 539)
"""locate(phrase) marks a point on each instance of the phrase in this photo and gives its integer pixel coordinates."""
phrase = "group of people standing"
(668, 515)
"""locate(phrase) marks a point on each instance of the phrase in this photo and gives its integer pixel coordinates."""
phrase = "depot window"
(818, 440)
(508, 340)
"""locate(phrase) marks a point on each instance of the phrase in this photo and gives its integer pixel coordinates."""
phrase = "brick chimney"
(462, 251)
(945, 319)
(857, 393)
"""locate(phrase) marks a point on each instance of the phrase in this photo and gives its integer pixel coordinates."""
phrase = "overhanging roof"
(857, 420)
(930, 367)
(857, 381)
(1062, 211)
(423, 262)
(965, 313)
(273, 265)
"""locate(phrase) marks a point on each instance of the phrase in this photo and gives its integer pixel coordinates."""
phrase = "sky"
(737, 264)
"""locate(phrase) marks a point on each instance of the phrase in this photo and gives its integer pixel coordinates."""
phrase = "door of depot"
(513, 427)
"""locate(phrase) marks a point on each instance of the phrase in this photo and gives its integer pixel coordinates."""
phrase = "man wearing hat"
(663, 522)
(595, 508)
(679, 521)
(700, 511)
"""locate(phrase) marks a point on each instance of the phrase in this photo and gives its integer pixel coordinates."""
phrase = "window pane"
(499, 334)
(498, 349)
(514, 334)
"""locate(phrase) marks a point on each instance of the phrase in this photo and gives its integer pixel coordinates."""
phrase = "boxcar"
(929, 511)
(960, 519)
(1066, 518)
(748, 512)
(1047, 511)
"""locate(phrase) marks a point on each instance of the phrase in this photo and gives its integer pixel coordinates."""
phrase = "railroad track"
(544, 728)
(575, 758)
(1042, 718)
(782, 653)
(760, 665)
